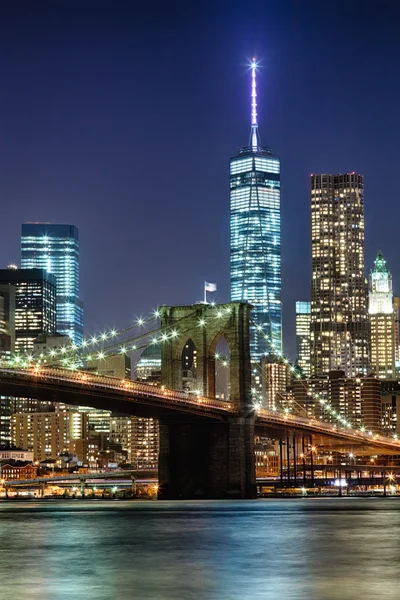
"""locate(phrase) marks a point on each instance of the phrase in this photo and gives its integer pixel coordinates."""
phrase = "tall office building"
(7, 320)
(396, 308)
(255, 235)
(276, 379)
(381, 319)
(303, 320)
(339, 320)
(35, 304)
(55, 248)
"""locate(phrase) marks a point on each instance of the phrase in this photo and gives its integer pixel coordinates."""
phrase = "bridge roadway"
(115, 477)
(146, 400)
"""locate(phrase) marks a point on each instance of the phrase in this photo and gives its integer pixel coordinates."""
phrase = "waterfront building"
(35, 304)
(139, 438)
(55, 248)
(381, 319)
(339, 320)
(356, 399)
(303, 321)
(275, 379)
(390, 399)
(15, 454)
(13, 470)
(50, 434)
(144, 446)
(255, 236)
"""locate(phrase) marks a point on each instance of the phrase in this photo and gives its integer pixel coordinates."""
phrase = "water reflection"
(315, 549)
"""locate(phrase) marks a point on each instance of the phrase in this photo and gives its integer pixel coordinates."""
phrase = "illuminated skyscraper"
(255, 235)
(381, 319)
(55, 248)
(303, 319)
(276, 379)
(396, 308)
(34, 298)
(339, 320)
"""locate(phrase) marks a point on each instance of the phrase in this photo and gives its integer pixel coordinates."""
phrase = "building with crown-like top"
(382, 319)
(255, 236)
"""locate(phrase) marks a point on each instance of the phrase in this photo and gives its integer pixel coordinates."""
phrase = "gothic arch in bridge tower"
(205, 325)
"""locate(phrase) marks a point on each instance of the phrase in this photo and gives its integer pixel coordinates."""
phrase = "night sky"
(121, 117)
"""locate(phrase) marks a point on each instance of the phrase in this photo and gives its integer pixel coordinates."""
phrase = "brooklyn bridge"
(207, 444)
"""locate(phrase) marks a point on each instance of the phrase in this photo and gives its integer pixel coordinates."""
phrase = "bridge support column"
(207, 459)
(311, 461)
(288, 458)
(281, 459)
(294, 461)
(303, 450)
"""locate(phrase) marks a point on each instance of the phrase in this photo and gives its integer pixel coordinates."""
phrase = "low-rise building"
(17, 470)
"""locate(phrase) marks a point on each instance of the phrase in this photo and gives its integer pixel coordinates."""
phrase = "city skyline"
(93, 154)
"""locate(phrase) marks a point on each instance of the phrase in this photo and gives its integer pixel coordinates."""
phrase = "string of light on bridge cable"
(19, 359)
(326, 405)
(69, 354)
(30, 360)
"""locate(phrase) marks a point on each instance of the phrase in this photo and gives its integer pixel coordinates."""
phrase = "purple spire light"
(253, 92)
(254, 125)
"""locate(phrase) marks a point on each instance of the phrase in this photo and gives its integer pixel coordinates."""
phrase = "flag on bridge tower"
(209, 287)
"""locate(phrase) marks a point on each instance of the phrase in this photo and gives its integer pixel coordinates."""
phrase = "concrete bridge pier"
(209, 460)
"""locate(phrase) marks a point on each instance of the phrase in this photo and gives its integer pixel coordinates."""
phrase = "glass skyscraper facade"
(55, 248)
(255, 237)
(303, 322)
(34, 292)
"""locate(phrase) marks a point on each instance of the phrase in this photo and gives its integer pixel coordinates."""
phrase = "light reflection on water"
(314, 549)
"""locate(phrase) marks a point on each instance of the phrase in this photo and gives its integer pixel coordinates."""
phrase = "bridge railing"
(114, 383)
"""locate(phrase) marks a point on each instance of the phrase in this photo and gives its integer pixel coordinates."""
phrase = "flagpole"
(205, 293)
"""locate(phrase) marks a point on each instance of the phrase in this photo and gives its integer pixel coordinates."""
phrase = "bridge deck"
(132, 397)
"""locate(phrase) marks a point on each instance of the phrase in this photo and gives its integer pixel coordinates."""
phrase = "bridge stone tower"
(208, 458)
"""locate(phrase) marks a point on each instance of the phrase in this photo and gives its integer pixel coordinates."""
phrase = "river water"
(305, 548)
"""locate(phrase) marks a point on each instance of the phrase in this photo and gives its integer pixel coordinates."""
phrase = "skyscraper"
(381, 319)
(55, 248)
(303, 319)
(276, 379)
(339, 320)
(255, 235)
(35, 304)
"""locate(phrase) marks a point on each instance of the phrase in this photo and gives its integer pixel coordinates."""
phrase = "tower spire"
(254, 135)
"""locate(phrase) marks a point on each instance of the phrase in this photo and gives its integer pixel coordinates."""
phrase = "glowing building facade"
(34, 304)
(382, 320)
(255, 236)
(303, 320)
(55, 248)
(339, 319)
(276, 379)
